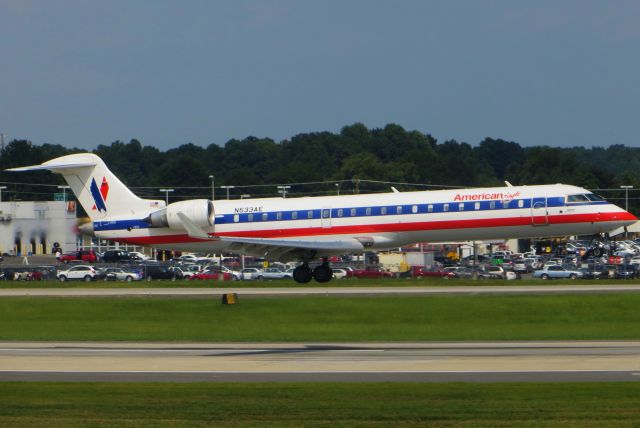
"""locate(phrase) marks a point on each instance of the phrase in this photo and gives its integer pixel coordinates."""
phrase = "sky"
(83, 73)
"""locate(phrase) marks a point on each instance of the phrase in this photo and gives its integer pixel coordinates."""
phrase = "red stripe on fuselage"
(391, 227)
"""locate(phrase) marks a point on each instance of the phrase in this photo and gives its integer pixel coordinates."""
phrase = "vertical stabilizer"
(99, 191)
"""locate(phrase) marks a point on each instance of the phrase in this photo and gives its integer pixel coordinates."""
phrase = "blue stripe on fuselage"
(374, 211)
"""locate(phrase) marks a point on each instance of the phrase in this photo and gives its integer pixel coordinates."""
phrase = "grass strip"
(353, 282)
(319, 404)
(327, 319)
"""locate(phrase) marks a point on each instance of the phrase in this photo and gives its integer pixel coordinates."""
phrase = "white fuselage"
(389, 220)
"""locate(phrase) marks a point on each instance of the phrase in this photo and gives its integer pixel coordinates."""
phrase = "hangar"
(29, 227)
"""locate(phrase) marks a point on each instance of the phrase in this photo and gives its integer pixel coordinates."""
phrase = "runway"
(572, 361)
(547, 288)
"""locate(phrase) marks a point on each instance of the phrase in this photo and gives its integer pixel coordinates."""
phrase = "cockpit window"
(572, 199)
(595, 198)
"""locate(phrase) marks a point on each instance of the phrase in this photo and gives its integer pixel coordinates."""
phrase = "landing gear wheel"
(323, 273)
(302, 274)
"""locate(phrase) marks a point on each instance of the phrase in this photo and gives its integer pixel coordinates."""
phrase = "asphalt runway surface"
(547, 288)
(572, 361)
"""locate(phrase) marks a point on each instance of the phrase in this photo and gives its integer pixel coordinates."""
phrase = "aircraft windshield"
(594, 197)
(587, 197)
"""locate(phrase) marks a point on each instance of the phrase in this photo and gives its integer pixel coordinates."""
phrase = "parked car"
(119, 274)
(251, 273)
(154, 271)
(549, 272)
(87, 256)
(479, 273)
(372, 272)
(212, 273)
(275, 273)
(138, 256)
(115, 256)
(82, 272)
(420, 271)
(626, 272)
(337, 273)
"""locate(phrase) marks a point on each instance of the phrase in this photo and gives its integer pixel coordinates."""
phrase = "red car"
(419, 271)
(87, 256)
(212, 274)
(372, 272)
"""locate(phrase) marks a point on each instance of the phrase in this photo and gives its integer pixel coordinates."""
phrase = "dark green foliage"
(389, 154)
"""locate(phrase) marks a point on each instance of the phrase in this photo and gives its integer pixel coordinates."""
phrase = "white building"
(28, 227)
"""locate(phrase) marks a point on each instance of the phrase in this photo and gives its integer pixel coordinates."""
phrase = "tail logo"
(99, 194)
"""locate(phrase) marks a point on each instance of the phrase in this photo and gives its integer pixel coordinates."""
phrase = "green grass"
(319, 405)
(429, 318)
(353, 282)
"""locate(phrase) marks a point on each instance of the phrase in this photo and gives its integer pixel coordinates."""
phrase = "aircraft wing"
(277, 248)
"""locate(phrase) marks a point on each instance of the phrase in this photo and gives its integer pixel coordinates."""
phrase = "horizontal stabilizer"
(53, 167)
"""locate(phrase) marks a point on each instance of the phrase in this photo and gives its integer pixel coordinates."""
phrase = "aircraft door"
(326, 217)
(539, 213)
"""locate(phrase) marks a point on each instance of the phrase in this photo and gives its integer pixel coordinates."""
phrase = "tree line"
(357, 159)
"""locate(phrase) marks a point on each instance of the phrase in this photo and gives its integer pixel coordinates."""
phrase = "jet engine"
(199, 211)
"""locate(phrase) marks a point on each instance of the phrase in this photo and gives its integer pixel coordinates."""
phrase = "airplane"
(307, 228)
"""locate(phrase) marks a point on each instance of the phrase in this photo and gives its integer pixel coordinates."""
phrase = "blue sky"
(83, 73)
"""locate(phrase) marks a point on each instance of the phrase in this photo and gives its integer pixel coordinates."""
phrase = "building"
(28, 227)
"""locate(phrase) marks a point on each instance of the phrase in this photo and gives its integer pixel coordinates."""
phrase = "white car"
(83, 272)
(251, 273)
(119, 274)
(339, 273)
(139, 255)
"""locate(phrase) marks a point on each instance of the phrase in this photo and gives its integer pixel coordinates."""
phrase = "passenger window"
(294, 215)
(414, 209)
(368, 211)
(492, 205)
(250, 217)
(278, 216)
(353, 212)
(398, 210)
(520, 203)
(340, 212)
(445, 207)
(476, 205)
(265, 217)
(383, 210)
(326, 213)
(505, 204)
(430, 208)
(461, 207)
(309, 214)
(236, 218)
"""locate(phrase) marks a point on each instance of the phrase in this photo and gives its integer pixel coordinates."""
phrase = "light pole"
(245, 196)
(166, 194)
(213, 191)
(626, 196)
(64, 192)
(283, 190)
(338, 188)
(227, 187)
(2, 187)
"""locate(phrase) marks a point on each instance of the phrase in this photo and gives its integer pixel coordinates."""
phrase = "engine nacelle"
(199, 211)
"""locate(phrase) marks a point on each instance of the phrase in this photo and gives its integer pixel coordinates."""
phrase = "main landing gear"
(303, 273)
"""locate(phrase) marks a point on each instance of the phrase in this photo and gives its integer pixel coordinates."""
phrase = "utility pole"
(283, 190)
(166, 194)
